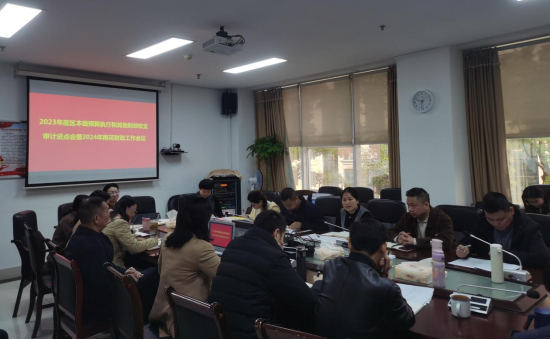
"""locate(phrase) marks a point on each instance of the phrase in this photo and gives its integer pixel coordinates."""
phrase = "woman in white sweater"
(260, 203)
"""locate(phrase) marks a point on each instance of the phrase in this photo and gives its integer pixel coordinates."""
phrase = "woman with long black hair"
(187, 261)
(535, 201)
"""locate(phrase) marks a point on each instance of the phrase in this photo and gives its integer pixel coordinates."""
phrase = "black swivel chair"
(42, 283)
(21, 221)
(464, 219)
(330, 207)
(391, 194)
(145, 208)
(365, 195)
(63, 210)
(387, 212)
(173, 203)
(544, 226)
(336, 191)
(270, 195)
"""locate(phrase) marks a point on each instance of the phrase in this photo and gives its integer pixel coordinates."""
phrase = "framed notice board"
(13, 149)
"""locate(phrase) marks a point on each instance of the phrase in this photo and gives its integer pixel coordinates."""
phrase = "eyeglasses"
(114, 193)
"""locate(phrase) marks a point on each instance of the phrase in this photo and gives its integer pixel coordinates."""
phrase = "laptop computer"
(221, 234)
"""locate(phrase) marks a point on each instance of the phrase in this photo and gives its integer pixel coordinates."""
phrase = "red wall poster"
(13, 149)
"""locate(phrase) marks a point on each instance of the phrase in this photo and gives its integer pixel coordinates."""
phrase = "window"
(338, 132)
(525, 73)
(373, 162)
(328, 166)
(296, 160)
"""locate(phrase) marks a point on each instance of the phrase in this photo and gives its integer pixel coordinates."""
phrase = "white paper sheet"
(340, 234)
(417, 297)
(480, 264)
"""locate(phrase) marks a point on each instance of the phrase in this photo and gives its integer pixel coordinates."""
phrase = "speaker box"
(229, 103)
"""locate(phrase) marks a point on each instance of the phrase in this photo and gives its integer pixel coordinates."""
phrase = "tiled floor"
(16, 327)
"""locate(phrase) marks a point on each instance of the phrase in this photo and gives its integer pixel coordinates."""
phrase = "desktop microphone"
(334, 225)
(533, 294)
(507, 252)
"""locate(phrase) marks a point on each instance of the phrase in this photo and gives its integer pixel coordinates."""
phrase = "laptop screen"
(221, 234)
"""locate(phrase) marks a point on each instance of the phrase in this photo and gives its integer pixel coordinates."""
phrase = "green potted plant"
(264, 149)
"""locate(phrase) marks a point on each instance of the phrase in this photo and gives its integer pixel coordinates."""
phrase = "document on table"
(417, 297)
(323, 238)
(480, 264)
(397, 246)
(341, 234)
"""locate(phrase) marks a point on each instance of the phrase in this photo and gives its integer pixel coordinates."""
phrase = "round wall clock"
(423, 101)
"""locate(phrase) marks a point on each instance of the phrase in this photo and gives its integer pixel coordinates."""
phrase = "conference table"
(435, 320)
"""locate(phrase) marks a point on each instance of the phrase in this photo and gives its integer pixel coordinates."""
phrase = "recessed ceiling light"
(13, 18)
(161, 47)
(253, 66)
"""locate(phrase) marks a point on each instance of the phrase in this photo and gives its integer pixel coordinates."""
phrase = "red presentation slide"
(81, 133)
(221, 234)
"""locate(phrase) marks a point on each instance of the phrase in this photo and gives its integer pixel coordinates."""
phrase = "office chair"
(391, 194)
(387, 212)
(365, 195)
(464, 219)
(197, 319)
(145, 208)
(269, 331)
(336, 191)
(63, 210)
(330, 206)
(68, 301)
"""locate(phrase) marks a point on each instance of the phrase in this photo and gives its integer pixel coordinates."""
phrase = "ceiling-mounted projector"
(224, 44)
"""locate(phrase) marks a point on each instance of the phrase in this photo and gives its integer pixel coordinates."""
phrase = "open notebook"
(417, 297)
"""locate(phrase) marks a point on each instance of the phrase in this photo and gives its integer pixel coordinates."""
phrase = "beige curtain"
(486, 128)
(393, 130)
(270, 120)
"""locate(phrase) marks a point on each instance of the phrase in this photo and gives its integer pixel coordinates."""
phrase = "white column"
(434, 145)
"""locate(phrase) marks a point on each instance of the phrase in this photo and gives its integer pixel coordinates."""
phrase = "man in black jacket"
(505, 224)
(255, 280)
(90, 248)
(205, 191)
(304, 215)
(355, 299)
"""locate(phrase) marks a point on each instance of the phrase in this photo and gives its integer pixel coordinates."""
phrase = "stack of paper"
(481, 264)
(417, 297)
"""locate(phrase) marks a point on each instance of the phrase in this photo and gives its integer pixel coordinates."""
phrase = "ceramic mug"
(460, 306)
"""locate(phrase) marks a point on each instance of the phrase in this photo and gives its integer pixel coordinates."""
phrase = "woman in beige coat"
(187, 261)
(120, 232)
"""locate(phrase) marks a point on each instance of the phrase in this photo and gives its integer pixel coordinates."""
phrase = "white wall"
(243, 133)
(434, 147)
(197, 125)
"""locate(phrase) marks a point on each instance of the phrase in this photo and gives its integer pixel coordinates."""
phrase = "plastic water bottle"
(438, 263)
